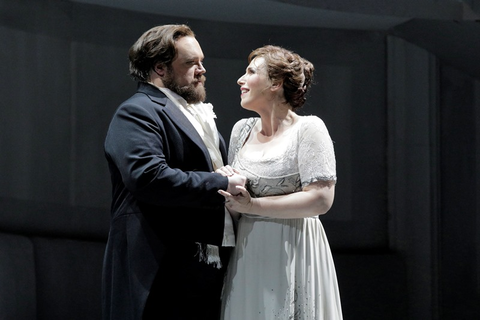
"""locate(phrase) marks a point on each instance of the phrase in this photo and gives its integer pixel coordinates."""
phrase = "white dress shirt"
(202, 117)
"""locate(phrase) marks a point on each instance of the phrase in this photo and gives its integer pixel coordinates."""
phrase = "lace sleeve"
(240, 131)
(316, 156)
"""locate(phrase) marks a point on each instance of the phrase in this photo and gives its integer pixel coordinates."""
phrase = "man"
(168, 244)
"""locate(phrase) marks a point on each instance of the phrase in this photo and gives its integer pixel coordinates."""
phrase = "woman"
(282, 267)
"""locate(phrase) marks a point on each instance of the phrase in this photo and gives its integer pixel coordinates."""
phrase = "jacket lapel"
(176, 116)
(172, 111)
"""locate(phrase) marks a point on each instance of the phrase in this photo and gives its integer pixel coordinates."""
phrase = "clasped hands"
(237, 198)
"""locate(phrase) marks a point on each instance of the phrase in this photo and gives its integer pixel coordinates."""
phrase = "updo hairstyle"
(285, 66)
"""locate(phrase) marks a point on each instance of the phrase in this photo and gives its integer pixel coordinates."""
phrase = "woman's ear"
(276, 86)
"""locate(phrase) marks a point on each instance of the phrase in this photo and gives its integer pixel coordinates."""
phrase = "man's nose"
(201, 68)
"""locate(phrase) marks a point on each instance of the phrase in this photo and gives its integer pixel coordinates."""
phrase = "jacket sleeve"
(138, 145)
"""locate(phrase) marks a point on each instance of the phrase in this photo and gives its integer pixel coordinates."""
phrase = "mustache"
(202, 79)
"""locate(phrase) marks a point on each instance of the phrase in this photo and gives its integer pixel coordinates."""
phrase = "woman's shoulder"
(240, 124)
(245, 120)
(312, 122)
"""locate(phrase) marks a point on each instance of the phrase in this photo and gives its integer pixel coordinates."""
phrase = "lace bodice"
(305, 155)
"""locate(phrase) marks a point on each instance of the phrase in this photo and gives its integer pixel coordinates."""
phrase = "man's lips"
(200, 80)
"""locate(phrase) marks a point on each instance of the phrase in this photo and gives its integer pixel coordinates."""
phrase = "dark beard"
(190, 93)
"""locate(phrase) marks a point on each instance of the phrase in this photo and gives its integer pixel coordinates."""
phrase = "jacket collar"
(175, 115)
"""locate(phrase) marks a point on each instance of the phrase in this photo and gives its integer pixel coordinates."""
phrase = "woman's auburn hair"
(287, 67)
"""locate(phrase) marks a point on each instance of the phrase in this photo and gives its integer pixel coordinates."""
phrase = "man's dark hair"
(156, 45)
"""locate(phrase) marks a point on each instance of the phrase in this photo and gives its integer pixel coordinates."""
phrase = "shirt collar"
(174, 96)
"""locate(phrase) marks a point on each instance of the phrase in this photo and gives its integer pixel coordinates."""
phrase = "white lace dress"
(282, 268)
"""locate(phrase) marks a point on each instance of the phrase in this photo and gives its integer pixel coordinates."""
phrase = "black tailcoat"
(165, 200)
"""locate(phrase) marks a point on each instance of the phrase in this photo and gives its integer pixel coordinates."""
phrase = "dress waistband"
(257, 217)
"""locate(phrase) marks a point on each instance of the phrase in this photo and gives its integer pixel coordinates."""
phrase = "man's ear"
(159, 69)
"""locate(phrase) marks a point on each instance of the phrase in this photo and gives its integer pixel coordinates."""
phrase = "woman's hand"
(241, 202)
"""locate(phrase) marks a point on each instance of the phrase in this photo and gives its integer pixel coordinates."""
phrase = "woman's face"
(254, 85)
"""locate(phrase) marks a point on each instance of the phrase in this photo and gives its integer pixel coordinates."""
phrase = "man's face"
(185, 76)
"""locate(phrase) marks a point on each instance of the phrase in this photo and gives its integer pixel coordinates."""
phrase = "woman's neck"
(276, 122)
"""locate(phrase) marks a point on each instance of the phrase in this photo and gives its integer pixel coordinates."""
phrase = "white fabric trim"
(202, 117)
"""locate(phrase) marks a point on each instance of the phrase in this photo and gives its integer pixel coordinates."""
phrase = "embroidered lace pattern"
(305, 157)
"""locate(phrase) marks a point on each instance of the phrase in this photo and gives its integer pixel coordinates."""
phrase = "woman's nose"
(241, 80)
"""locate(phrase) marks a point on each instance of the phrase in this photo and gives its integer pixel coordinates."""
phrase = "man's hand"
(235, 180)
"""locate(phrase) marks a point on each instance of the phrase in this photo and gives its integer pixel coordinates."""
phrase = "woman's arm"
(314, 199)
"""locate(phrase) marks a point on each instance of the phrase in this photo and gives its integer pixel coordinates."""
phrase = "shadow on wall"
(51, 260)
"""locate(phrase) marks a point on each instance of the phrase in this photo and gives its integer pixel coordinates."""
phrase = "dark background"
(402, 106)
